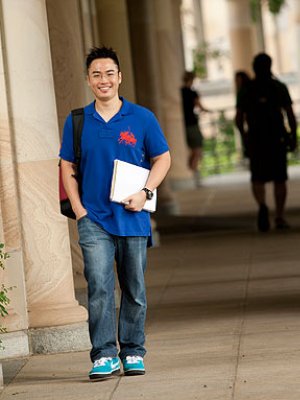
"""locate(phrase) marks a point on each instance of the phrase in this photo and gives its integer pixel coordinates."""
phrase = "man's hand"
(71, 187)
(135, 202)
(159, 169)
(80, 213)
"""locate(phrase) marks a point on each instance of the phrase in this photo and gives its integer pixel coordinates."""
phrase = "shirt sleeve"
(67, 151)
(155, 141)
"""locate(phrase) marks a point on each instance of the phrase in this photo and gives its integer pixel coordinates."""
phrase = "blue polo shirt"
(132, 135)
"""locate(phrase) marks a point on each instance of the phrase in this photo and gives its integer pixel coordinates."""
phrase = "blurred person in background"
(241, 80)
(192, 106)
(262, 105)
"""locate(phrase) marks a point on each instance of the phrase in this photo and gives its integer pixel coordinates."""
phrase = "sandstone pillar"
(297, 39)
(69, 21)
(89, 24)
(34, 135)
(170, 65)
(147, 77)
(115, 34)
(242, 35)
(16, 342)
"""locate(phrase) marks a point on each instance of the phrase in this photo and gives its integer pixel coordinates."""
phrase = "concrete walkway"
(223, 320)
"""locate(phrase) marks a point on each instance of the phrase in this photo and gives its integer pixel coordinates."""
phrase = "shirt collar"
(125, 109)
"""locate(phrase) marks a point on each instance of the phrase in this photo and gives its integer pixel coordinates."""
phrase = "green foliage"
(294, 158)
(202, 54)
(3, 256)
(4, 299)
(200, 68)
(274, 6)
(220, 154)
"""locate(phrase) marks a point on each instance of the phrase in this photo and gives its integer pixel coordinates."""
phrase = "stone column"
(89, 24)
(277, 44)
(114, 32)
(199, 19)
(16, 322)
(199, 27)
(88, 27)
(69, 21)
(146, 68)
(147, 77)
(260, 34)
(242, 35)
(297, 39)
(35, 137)
(170, 59)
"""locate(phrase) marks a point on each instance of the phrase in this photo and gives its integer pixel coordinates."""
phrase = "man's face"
(104, 79)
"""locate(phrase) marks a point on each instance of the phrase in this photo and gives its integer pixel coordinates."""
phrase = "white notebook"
(128, 179)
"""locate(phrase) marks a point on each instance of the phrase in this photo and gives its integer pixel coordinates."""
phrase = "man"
(109, 231)
(262, 105)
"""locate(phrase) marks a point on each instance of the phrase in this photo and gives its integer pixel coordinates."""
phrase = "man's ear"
(88, 80)
(120, 77)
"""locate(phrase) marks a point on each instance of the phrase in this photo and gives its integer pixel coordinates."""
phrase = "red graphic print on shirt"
(127, 138)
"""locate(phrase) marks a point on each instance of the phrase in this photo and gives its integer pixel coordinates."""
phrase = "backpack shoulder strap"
(77, 119)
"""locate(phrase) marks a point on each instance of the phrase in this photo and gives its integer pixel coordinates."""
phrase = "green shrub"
(4, 299)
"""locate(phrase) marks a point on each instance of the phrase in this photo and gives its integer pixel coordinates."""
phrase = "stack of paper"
(129, 179)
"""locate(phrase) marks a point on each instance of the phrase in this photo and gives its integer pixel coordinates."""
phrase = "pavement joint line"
(242, 324)
(115, 388)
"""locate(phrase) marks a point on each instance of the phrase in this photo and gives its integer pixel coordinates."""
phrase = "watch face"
(149, 195)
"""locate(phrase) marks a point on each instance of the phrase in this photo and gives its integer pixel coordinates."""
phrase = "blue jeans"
(100, 250)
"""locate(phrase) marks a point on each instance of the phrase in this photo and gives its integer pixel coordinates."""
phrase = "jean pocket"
(81, 218)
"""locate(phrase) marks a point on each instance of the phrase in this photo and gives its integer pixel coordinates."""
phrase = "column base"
(182, 184)
(15, 344)
(167, 208)
(1, 377)
(43, 316)
(59, 339)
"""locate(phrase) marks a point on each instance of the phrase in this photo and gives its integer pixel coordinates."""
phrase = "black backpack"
(65, 204)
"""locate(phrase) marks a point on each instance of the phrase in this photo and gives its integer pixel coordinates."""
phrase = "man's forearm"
(159, 170)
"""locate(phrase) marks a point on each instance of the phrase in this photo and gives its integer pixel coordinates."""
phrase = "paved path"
(223, 320)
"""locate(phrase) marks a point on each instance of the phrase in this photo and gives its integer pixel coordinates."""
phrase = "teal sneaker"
(105, 367)
(133, 365)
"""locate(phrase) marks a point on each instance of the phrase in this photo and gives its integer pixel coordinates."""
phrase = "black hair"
(101, 52)
(188, 76)
(262, 65)
(241, 79)
(243, 75)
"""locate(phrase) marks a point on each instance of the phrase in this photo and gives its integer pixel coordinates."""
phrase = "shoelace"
(101, 361)
(133, 359)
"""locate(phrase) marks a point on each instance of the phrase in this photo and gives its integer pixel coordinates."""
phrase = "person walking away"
(192, 106)
(261, 108)
(114, 128)
(241, 80)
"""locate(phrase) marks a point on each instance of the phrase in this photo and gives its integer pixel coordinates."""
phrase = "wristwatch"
(149, 193)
